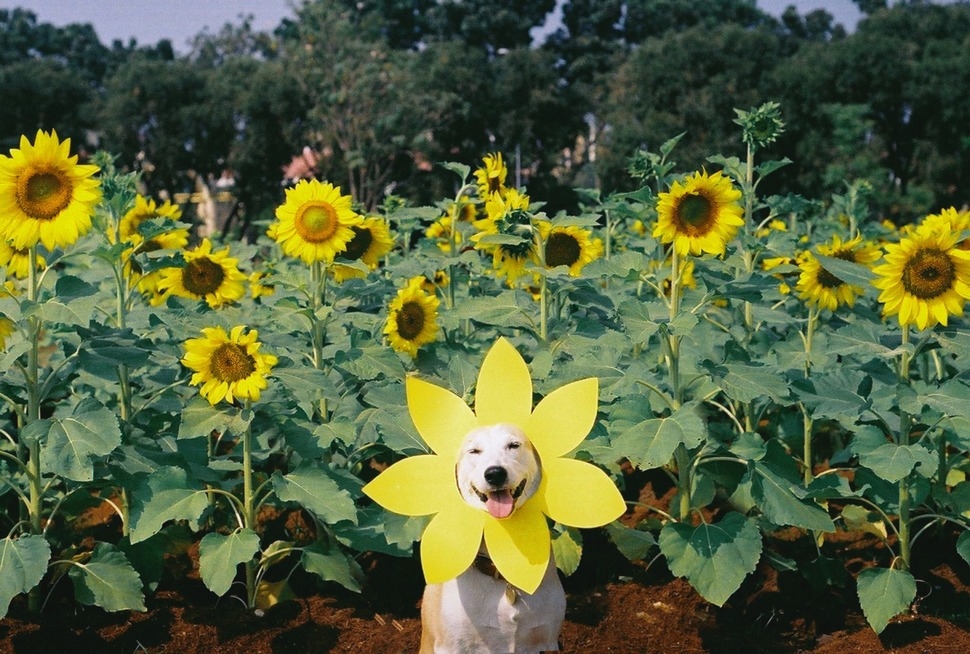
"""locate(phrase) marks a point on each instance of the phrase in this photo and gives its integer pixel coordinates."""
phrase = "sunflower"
(950, 219)
(491, 176)
(569, 246)
(173, 236)
(507, 234)
(700, 214)
(17, 261)
(925, 278)
(45, 195)
(819, 287)
(7, 328)
(372, 240)
(572, 492)
(315, 223)
(257, 287)
(213, 276)
(228, 366)
(412, 317)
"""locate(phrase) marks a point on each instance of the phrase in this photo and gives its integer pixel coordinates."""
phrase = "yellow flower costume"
(572, 492)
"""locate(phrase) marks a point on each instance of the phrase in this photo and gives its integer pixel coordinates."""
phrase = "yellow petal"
(520, 546)
(451, 541)
(579, 494)
(504, 392)
(417, 485)
(563, 418)
(441, 417)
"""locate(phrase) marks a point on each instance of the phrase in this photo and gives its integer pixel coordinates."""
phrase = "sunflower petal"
(564, 417)
(417, 485)
(504, 392)
(579, 494)
(520, 546)
(451, 541)
(441, 417)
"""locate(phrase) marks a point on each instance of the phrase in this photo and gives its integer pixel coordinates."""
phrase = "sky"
(149, 21)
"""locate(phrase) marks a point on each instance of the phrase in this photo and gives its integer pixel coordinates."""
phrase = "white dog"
(479, 612)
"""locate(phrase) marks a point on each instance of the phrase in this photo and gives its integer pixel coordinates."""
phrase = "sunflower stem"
(249, 512)
(807, 422)
(34, 477)
(681, 455)
(904, 427)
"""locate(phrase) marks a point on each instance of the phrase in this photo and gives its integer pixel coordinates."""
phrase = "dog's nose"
(496, 475)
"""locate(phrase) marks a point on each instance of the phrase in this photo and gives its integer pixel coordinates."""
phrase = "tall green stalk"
(905, 423)
(34, 479)
(681, 455)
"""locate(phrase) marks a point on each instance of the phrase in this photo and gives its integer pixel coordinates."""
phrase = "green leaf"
(219, 555)
(781, 501)
(307, 385)
(715, 558)
(963, 545)
(459, 169)
(636, 319)
(890, 461)
(884, 593)
(632, 543)
(651, 443)
(824, 571)
(371, 362)
(23, 562)
(311, 487)
(70, 446)
(108, 580)
(165, 495)
(748, 383)
(75, 303)
(101, 356)
(567, 548)
(332, 565)
(849, 272)
(199, 418)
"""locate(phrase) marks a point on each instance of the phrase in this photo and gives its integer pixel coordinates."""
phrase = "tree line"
(380, 91)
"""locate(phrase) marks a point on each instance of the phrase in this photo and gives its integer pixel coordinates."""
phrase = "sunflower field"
(787, 364)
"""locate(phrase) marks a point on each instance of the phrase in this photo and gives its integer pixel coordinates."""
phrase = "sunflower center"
(494, 183)
(928, 274)
(42, 194)
(231, 363)
(410, 320)
(357, 246)
(202, 276)
(316, 222)
(562, 249)
(695, 213)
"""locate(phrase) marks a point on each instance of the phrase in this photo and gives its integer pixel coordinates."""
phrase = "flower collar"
(572, 492)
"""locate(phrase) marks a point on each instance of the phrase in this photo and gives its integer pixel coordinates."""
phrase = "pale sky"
(149, 21)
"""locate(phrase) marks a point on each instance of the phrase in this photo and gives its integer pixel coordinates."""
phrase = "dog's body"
(478, 612)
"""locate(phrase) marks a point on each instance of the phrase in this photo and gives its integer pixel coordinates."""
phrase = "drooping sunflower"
(228, 366)
(315, 222)
(572, 492)
(570, 246)
(700, 214)
(819, 287)
(925, 278)
(412, 317)
(372, 240)
(45, 195)
(506, 233)
(17, 261)
(212, 276)
(491, 176)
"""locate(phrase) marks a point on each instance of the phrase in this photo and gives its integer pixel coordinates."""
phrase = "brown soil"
(614, 606)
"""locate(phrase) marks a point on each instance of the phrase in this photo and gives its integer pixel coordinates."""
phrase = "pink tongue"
(499, 504)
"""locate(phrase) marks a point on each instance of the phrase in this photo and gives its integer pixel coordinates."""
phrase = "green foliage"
(884, 593)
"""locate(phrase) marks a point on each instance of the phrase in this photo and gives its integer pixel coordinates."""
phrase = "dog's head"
(497, 469)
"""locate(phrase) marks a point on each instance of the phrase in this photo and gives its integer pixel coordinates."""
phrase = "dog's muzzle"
(501, 502)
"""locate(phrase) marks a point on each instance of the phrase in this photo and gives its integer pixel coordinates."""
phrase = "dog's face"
(497, 469)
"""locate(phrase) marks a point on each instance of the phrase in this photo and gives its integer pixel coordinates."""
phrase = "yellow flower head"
(45, 195)
(174, 238)
(700, 214)
(412, 317)
(949, 219)
(7, 328)
(571, 492)
(372, 240)
(17, 261)
(213, 276)
(819, 287)
(257, 288)
(440, 232)
(569, 246)
(228, 366)
(507, 216)
(491, 176)
(925, 278)
(315, 223)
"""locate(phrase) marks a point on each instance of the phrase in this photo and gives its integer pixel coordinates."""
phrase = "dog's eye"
(514, 445)
(474, 450)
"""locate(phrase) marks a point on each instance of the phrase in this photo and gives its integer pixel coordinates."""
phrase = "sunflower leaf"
(200, 418)
(883, 594)
(70, 446)
(311, 487)
(108, 580)
(167, 494)
(220, 554)
(849, 272)
(651, 443)
(332, 565)
(23, 562)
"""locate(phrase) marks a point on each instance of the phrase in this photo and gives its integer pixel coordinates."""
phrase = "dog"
(478, 612)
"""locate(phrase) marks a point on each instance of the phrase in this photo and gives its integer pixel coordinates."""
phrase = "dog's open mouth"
(500, 503)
